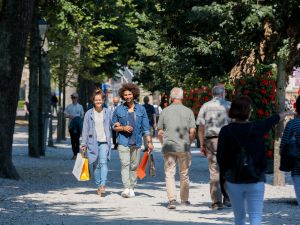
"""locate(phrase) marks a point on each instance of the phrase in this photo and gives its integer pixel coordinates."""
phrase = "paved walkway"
(48, 194)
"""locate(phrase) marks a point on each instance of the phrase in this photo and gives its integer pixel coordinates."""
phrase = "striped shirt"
(293, 126)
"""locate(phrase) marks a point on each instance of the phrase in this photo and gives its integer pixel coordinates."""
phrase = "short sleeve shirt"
(176, 121)
(74, 110)
(213, 115)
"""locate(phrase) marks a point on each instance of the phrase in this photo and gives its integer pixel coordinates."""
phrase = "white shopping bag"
(80, 169)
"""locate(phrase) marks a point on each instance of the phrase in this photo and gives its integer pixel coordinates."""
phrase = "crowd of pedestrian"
(233, 145)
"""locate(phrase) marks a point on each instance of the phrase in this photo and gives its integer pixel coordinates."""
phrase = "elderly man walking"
(176, 132)
(212, 116)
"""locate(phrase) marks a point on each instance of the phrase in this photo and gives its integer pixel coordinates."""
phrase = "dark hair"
(298, 104)
(146, 99)
(240, 108)
(133, 88)
(97, 92)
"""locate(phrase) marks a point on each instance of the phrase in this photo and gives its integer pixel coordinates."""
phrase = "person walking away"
(242, 159)
(158, 111)
(151, 117)
(54, 102)
(116, 102)
(96, 140)
(293, 127)
(131, 122)
(74, 112)
(213, 115)
(176, 132)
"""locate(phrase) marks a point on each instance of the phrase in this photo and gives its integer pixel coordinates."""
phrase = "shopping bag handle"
(83, 150)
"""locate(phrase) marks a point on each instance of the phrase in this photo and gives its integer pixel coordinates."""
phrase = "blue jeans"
(100, 165)
(296, 181)
(250, 194)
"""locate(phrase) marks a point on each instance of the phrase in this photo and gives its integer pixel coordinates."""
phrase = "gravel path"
(48, 194)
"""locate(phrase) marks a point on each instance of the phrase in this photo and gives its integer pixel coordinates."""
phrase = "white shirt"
(101, 137)
(74, 110)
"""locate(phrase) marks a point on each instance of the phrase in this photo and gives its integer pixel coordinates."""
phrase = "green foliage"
(184, 40)
(91, 38)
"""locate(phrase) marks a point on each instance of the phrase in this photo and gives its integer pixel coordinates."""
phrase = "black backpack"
(244, 170)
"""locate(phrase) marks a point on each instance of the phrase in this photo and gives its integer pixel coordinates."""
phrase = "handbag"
(81, 168)
(244, 170)
(288, 153)
(151, 166)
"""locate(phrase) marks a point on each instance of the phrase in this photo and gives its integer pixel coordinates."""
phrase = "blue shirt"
(141, 124)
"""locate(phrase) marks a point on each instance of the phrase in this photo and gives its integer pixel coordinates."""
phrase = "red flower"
(264, 100)
(270, 154)
(246, 92)
(264, 82)
(242, 82)
(263, 91)
(260, 112)
(206, 99)
(266, 136)
(267, 114)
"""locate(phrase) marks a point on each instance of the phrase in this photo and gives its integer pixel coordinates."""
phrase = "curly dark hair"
(240, 108)
(133, 88)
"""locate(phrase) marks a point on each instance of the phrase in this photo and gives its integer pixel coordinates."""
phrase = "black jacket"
(250, 135)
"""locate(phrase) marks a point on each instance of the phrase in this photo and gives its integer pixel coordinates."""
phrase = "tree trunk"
(15, 19)
(34, 131)
(280, 96)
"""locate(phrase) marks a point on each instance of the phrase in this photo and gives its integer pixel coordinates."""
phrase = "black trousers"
(75, 142)
(114, 137)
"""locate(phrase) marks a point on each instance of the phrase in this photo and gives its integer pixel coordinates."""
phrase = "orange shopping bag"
(141, 170)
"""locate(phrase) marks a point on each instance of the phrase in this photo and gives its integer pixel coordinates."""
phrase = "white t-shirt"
(101, 137)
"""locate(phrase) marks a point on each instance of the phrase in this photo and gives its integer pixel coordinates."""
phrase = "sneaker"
(227, 203)
(172, 204)
(217, 206)
(186, 203)
(125, 193)
(131, 193)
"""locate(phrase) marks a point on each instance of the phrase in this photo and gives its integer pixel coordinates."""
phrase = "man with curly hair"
(131, 122)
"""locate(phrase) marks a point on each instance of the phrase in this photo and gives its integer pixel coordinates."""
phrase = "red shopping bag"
(141, 170)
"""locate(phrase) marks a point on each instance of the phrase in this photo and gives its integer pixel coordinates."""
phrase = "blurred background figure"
(116, 103)
(151, 117)
(54, 101)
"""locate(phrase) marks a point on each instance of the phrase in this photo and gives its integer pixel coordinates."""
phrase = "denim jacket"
(141, 123)
(89, 136)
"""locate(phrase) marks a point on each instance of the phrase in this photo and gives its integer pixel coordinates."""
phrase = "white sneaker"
(131, 193)
(126, 193)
